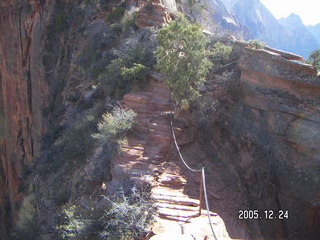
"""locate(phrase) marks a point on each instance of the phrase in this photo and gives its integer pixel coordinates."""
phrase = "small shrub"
(69, 224)
(129, 21)
(115, 15)
(127, 215)
(116, 27)
(314, 58)
(221, 52)
(60, 21)
(26, 228)
(113, 126)
(257, 44)
(128, 70)
(77, 142)
(134, 74)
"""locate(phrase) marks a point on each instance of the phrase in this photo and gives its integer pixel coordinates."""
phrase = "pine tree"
(182, 58)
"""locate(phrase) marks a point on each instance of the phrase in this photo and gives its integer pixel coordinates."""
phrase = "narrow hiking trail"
(150, 156)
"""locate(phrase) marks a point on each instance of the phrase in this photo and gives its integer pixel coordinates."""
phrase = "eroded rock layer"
(19, 50)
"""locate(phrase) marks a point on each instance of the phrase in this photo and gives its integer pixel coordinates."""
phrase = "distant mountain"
(215, 17)
(229, 3)
(289, 34)
(299, 39)
(259, 20)
(315, 30)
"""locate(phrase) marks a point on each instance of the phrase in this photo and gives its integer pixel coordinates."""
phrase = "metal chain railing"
(203, 181)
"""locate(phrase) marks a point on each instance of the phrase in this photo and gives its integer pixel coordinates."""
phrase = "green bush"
(77, 142)
(183, 58)
(60, 21)
(257, 44)
(123, 216)
(116, 14)
(113, 126)
(221, 52)
(26, 228)
(129, 21)
(129, 70)
(314, 58)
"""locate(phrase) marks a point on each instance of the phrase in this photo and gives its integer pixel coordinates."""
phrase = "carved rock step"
(136, 142)
(176, 219)
(176, 200)
(140, 128)
(177, 213)
(157, 105)
(139, 97)
(137, 109)
(156, 150)
(159, 138)
(160, 126)
(177, 207)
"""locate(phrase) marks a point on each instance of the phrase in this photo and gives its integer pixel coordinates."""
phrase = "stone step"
(156, 105)
(133, 142)
(160, 127)
(160, 133)
(140, 128)
(168, 191)
(158, 137)
(139, 97)
(177, 207)
(177, 200)
(158, 150)
(177, 213)
(176, 219)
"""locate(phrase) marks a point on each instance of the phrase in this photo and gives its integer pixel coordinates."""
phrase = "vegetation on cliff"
(183, 58)
(314, 58)
(123, 216)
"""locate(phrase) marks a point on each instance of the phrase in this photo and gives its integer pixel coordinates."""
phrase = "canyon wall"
(23, 92)
(35, 57)
(266, 143)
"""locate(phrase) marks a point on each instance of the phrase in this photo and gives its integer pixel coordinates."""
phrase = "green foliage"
(183, 58)
(71, 224)
(314, 58)
(128, 21)
(113, 126)
(257, 44)
(77, 142)
(128, 70)
(137, 71)
(129, 215)
(221, 52)
(26, 228)
(124, 216)
(60, 21)
(116, 14)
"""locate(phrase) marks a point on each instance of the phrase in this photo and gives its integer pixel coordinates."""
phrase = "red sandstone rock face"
(152, 13)
(279, 99)
(22, 88)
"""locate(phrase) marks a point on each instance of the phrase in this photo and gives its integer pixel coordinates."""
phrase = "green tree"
(221, 52)
(314, 58)
(183, 58)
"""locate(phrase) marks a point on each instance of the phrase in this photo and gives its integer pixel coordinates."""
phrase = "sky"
(308, 10)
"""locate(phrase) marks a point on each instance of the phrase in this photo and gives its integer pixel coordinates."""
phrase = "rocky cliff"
(23, 92)
(269, 136)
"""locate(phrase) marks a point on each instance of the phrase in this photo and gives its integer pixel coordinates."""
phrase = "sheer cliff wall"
(264, 147)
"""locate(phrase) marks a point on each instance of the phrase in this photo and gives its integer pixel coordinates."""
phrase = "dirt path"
(148, 156)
